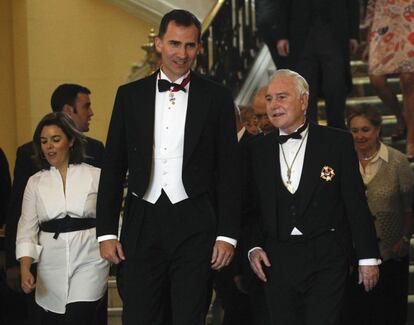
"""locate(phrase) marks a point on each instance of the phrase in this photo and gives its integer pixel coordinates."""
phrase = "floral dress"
(391, 36)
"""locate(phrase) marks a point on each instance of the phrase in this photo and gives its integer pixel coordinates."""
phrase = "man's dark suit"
(209, 173)
(319, 33)
(23, 169)
(5, 187)
(334, 200)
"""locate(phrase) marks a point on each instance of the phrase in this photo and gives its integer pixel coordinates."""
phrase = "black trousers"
(77, 313)
(322, 64)
(173, 250)
(386, 304)
(306, 281)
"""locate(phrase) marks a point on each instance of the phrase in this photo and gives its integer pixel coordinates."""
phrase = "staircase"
(114, 303)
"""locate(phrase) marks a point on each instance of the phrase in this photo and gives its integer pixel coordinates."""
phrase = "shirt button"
(164, 161)
(165, 185)
(166, 127)
(164, 173)
(165, 148)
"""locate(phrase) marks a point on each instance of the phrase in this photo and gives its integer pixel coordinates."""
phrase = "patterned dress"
(391, 37)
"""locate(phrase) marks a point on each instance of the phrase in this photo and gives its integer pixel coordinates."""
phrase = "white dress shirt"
(70, 268)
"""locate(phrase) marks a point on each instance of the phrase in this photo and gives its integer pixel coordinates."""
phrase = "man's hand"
(401, 248)
(353, 45)
(282, 47)
(368, 275)
(13, 278)
(112, 251)
(223, 253)
(238, 281)
(256, 258)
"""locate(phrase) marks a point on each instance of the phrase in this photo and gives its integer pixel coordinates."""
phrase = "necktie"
(281, 139)
(164, 85)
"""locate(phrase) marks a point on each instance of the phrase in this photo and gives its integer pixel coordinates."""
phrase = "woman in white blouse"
(57, 227)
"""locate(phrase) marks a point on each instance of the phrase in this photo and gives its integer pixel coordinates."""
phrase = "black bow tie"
(281, 139)
(164, 85)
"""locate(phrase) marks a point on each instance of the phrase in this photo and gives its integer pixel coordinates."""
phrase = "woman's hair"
(61, 120)
(367, 111)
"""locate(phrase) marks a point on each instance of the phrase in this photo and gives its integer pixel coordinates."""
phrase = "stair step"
(363, 100)
(114, 300)
(362, 86)
(115, 316)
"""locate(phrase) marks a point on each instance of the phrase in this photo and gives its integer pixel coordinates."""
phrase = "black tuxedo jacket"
(210, 163)
(5, 187)
(23, 169)
(339, 203)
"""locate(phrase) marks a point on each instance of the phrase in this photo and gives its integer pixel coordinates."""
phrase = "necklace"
(289, 167)
(366, 158)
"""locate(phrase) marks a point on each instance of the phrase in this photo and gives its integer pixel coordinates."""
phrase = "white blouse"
(70, 268)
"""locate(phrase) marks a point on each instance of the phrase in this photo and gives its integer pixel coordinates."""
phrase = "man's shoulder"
(208, 83)
(94, 142)
(137, 84)
(329, 134)
(26, 149)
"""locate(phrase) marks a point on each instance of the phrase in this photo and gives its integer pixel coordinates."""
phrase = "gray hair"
(301, 84)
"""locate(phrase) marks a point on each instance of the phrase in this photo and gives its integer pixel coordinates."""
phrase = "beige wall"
(7, 110)
(89, 42)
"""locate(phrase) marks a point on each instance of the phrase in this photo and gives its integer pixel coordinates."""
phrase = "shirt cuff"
(28, 249)
(251, 250)
(106, 237)
(369, 261)
(227, 240)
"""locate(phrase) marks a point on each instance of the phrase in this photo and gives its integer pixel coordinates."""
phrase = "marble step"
(115, 316)
(114, 301)
(366, 100)
(362, 86)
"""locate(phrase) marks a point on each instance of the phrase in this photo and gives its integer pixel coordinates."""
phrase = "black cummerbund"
(67, 224)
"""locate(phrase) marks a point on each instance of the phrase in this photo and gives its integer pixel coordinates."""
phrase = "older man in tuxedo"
(309, 211)
(174, 131)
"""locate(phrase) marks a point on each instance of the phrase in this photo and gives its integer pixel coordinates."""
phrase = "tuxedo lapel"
(145, 114)
(312, 165)
(268, 165)
(197, 110)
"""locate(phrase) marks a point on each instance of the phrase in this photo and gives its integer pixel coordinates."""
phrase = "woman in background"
(390, 51)
(57, 228)
(389, 189)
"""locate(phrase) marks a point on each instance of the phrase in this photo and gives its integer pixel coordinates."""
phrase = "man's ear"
(67, 109)
(158, 44)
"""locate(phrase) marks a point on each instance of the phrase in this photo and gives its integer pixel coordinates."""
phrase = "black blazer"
(339, 203)
(210, 164)
(23, 169)
(5, 187)
(294, 19)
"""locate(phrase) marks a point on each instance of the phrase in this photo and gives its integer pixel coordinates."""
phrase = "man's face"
(178, 48)
(259, 107)
(285, 106)
(82, 112)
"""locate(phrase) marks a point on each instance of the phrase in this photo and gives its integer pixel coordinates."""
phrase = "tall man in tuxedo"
(174, 131)
(74, 100)
(317, 37)
(310, 211)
